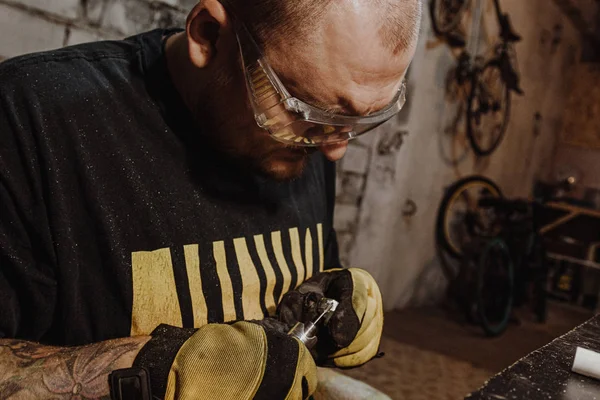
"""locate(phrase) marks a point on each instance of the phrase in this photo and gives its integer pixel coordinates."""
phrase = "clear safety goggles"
(292, 121)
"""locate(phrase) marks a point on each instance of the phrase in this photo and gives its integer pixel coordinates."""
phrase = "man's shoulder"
(20, 66)
(45, 69)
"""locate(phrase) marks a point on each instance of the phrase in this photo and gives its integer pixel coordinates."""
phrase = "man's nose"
(335, 151)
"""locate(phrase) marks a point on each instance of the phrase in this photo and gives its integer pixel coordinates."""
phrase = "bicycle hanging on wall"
(488, 80)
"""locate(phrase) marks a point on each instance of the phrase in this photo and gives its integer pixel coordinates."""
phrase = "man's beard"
(252, 148)
(229, 126)
(282, 164)
(245, 144)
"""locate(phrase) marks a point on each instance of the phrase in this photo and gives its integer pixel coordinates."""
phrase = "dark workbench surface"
(546, 372)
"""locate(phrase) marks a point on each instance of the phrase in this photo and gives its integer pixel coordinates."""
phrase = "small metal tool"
(306, 332)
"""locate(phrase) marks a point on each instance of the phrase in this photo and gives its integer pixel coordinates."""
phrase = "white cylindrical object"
(587, 362)
(305, 333)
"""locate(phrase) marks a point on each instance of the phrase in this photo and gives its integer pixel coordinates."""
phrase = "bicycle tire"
(540, 276)
(471, 134)
(496, 324)
(442, 230)
(440, 28)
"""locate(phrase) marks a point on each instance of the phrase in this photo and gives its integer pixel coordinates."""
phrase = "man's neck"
(182, 71)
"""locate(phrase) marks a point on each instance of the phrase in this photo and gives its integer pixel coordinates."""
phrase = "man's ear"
(206, 26)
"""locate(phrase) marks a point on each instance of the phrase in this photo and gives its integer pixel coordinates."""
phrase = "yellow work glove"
(243, 360)
(352, 335)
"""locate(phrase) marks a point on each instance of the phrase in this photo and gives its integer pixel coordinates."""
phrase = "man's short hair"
(403, 21)
(294, 19)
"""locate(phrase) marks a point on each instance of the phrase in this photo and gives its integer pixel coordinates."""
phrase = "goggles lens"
(292, 121)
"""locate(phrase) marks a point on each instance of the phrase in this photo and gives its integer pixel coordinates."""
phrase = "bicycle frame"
(487, 81)
(470, 62)
(473, 46)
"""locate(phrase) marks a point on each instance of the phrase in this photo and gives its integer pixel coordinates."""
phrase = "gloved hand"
(243, 360)
(352, 336)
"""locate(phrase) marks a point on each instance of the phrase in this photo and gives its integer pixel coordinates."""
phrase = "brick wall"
(35, 25)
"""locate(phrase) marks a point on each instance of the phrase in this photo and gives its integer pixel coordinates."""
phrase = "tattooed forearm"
(34, 371)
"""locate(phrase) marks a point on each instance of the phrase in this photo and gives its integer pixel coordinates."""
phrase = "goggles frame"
(290, 120)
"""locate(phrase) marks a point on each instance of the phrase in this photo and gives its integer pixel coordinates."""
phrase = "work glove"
(242, 360)
(353, 334)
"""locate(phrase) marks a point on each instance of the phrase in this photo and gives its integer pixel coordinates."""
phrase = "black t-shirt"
(115, 217)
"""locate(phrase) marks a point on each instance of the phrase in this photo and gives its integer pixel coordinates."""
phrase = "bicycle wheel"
(488, 110)
(538, 269)
(446, 14)
(460, 218)
(495, 287)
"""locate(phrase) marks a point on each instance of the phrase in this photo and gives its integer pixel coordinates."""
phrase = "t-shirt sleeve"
(332, 255)
(27, 282)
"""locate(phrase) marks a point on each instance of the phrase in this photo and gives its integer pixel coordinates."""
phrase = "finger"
(367, 347)
(317, 284)
(365, 301)
(344, 324)
(364, 287)
(290, 309)
(298, 307)
(361, 357)
(311, 310)
(366, 344)
(370, 330)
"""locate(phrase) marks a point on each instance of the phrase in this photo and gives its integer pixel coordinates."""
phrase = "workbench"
(546, 372)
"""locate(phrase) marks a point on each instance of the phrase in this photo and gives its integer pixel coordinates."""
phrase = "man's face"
(342, 67)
